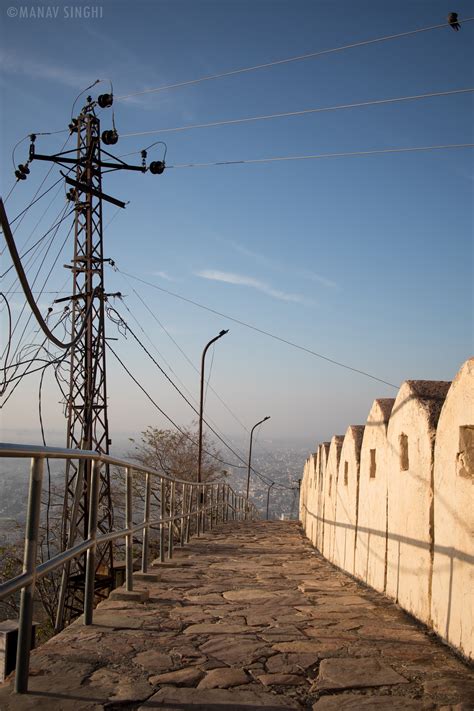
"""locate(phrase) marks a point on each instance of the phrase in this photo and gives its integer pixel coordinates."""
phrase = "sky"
(366, 260)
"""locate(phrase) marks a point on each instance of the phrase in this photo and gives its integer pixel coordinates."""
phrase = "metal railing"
(203, 504)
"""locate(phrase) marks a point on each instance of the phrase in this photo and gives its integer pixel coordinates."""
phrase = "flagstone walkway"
(248, 616)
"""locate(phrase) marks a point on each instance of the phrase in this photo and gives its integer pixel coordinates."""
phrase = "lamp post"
(201, 406)
(250, 452)
(268, 497)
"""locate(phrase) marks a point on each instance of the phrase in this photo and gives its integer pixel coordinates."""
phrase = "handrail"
(204, 503)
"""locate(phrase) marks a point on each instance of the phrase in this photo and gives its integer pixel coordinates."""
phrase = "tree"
(176, 454)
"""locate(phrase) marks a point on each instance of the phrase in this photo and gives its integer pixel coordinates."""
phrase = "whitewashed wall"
(403, 518)
(371, 549)
(452, 606)
(347, 492)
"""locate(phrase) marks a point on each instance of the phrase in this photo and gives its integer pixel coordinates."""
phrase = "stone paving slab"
(247, 616)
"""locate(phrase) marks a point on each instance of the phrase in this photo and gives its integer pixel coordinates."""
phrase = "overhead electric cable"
(37, 199)
(57, 224)
(184, 354)
(346, 154)
(26, 288)
(303, 112)
(288, 60)
(260, 330)
(147, 394)
(146, 335)
(221, 439)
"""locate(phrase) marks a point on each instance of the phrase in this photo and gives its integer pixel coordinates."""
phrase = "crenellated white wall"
(392, 502)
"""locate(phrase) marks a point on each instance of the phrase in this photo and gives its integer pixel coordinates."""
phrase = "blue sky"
(366, 260)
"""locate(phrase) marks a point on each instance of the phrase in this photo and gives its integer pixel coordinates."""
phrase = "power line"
(26, 288)
(379, 151)
(259, 330)
(298, 58)
(169, 366)
(303, 112)
(147, 394)
(184, 354)
(221, 439)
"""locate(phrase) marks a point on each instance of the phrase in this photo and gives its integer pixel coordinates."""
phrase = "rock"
(451, 689)
(249, 595)
(224, 678)
(234, 652)
(354, 702)
(290, 663)
(189, 676)
(219, 628)
(280, 679)
(153, 662)
(309, 647)
(356, 673)
(217, 700)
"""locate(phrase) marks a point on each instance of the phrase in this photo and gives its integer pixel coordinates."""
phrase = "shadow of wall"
(400, 515)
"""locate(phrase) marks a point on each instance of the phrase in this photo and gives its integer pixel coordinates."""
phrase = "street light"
(268, 496)
(201, 408)
(250, 452)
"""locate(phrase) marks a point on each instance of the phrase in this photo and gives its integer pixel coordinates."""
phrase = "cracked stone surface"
(247, 616)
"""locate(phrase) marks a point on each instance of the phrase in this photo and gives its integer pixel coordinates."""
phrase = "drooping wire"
(319, 156)
(29, 296)
(149, 397)
(117, 317)
(287, 60)
(260, 330)
(9, 342)
(115, 314)
(146, 335)
(55, 226)
(183, 353)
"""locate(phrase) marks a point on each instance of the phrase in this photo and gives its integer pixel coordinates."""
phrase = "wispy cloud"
(34, 68)
(272, 264)
(163, 275)
(241, 280)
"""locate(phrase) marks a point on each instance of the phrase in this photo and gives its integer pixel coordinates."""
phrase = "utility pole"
(86, 401)
(201, 402)
(250, 453)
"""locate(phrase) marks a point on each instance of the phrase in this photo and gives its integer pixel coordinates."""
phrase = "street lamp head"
(222, 333)
(267, 418)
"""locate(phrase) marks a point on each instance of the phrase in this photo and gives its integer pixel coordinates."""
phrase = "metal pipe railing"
(202, 506)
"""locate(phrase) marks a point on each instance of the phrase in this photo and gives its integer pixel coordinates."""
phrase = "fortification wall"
(392, 503)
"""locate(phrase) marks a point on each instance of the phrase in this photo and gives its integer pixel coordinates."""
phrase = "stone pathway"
(248, 616)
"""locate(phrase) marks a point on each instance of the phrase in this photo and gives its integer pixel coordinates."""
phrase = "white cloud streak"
(267, 262)
(241, 280)
(163, 275)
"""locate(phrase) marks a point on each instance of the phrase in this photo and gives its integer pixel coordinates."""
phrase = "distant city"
(280, 462)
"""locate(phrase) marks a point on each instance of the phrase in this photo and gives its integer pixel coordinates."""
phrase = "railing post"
(128, 524)
(163, 516)
(92, 535)
(199, 499)
(189, 512)
(203, 509)
(211, 509)
(183, 513)
(78, 493)
(146, 518)
(29, 566)
(170, 525)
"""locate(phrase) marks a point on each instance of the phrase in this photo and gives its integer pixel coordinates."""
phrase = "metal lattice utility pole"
(86, 402)
(87, 422)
